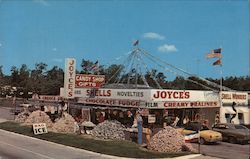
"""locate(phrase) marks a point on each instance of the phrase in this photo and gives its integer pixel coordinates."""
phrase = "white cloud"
(57, 60)
(118, 58)
(167, 48)
(1, 44)
(42, 2)
(151, 35)
(54, 49)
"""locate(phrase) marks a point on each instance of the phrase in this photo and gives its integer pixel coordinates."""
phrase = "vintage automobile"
(196, 129)
(233, 133)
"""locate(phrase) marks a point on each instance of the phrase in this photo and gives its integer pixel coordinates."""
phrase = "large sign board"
(89, 81)
(148, 98)
(110, 102)
(240, 98)
(153, 95)
(50, 98)
(183, 95)
(130, 94)
(69, 77)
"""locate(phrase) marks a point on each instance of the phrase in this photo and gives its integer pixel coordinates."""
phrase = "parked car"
(206, 135)
(233, 133)
(25, 105)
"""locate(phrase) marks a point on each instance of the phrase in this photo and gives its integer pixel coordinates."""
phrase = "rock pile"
(21, 117)
(38, 117)
(189, 147)
(168, 140)
(65, 124)
(109, 130)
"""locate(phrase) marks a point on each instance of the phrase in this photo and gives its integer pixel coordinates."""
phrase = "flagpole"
(221, 75)
(220, 94)
(98, 73)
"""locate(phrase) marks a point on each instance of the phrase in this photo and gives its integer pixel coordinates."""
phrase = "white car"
(25, 105)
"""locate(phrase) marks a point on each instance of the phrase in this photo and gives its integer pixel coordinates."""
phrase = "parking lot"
(225, 150)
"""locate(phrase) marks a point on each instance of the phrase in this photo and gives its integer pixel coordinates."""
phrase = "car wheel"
(202, 141)
(232, 140)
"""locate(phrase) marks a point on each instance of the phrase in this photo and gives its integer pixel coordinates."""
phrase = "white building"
(241, 109)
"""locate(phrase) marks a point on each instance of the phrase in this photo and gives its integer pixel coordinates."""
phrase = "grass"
(117, 148)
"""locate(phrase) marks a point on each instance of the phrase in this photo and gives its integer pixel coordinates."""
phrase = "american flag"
(214, 53)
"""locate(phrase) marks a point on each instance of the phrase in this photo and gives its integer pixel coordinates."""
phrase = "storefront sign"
(50, 98)
(69, 77)
(89, 81)
(39, 128)
(183, 95)
(151, 118)
(130, 94)
(148, 98)
(110, 102)
(240, 98)
(188, 104)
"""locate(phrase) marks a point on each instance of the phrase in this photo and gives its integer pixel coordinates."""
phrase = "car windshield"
(204, 127)
(197, 127)
(240, 127)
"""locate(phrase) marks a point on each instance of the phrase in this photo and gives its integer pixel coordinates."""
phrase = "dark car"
(233, 133)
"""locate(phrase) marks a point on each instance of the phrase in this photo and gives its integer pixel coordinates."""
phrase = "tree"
(2, 81)
(54, 82)
(38, 79)
(24, 74)
(86, 66)
(112, 73)
(14, 76)
(1, 71)
(161, 79)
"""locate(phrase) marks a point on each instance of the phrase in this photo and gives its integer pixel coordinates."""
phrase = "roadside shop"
(121, 104)
(235, 108)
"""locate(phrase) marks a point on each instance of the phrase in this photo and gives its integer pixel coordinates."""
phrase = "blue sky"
(178, 32)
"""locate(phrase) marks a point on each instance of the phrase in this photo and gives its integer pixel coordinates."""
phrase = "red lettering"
(176, 94)
(169, 94)
(163, 94)
(70, 94)
(187, 95)
(156, 95)
(72, 62)
(71, 68)
(71, 73)
(181, 96)
(109, 93)
(71, 80)
(70, 86)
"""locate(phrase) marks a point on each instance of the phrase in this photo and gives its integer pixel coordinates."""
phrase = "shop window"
(240, 116)
(227, 115)
(228, 118)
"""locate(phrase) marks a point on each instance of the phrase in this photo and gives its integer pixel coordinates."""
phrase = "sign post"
(69, 78)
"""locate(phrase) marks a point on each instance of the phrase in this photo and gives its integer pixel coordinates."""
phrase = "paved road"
(225, 150)
(15, 146)
(6, 114)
